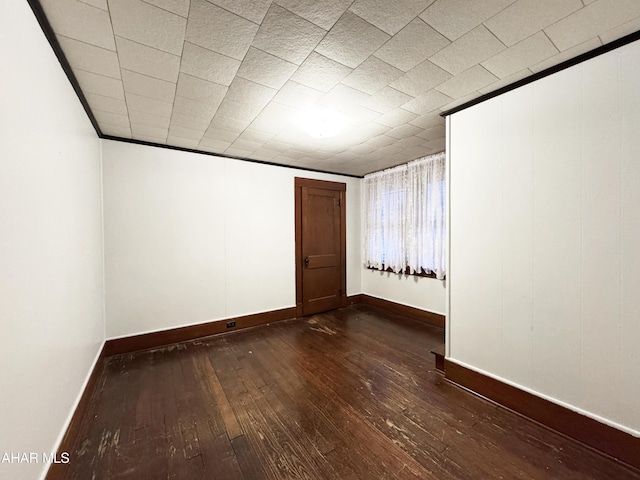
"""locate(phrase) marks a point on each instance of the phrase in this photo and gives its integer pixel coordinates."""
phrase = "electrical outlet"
(231, 324)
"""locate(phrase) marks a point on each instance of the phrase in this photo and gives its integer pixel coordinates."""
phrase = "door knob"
(306, 261)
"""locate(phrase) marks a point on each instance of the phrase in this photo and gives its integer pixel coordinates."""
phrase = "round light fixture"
(321, 122)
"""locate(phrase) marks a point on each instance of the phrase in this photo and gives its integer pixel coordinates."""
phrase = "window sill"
(407, 271)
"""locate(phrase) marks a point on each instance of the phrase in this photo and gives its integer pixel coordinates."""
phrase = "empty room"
(331, 239)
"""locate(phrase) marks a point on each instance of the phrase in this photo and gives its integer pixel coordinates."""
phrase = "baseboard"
(58, 470)
(435, 319)
(608, 440)
(146, 341)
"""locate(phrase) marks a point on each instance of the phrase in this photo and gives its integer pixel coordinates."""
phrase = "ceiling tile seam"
(152, 47)
(175, 91)
(228, 86)
(226, 10)
(164, 9)
(87, 3)
(83, 42)
(552, 42)
(124, 92)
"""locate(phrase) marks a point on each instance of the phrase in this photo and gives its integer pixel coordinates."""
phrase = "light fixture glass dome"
(321, 122)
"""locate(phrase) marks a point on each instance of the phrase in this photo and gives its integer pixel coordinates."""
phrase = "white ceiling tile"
(265, 154)
(343, 97)
(427, 102)
(199, 89)
(351, 40)
(364, 148)
(596, 18)
(253, 10)
(149, 119)
(216, 29)
(182, 142)
(106, 118)
(143, 23)
(266, 69)
(297, 95)
(359, 116)
(458, 101)
(150, 132)
(454, 18)
(204, 111)
(188, 133)
(420, 79)
(246, 145)
(202, 63)
(99, 84)
(619, 32)
(237, 152)
(80, 21)
(372, 75)
(404, 131)
(412, 45)
(245, 112)
(466, 82)
(106, 104)
(246, 91)
(386, 99)
(279, 113)
(428, 120)
(566, 55)
(526, 17)
(408, 143)
(148, 105)
(234, 125)
(213, 145)
(287, 36)
(503, 82)
(433, 133)
(148, 86)
(83, 56)
(115, 131)
(521, 55)
(389, 15)
(468, 50)
(101, 4)
(148, 61)
(222, 135)
(320, 73)
(255, 136)
(323, 13)
(189, 121)
(396, 117)
(179, 7)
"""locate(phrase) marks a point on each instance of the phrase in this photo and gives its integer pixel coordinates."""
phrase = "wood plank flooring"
(349, 394)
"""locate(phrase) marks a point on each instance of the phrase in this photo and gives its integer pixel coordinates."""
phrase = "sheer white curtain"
(405, 217)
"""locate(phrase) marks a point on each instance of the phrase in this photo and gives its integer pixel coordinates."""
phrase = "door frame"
(327, 185)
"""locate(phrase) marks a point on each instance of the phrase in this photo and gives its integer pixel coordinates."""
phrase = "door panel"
(320, 246)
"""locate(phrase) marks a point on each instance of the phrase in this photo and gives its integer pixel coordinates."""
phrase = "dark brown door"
(320, 246)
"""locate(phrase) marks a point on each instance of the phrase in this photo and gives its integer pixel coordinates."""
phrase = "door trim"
(324, 184)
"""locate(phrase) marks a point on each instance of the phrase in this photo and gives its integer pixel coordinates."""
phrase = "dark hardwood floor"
(350, 394)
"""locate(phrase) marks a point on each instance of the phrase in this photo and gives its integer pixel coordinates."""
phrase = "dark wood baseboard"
(435, 319)
(57, 471)
(608, 440)
(146, 341)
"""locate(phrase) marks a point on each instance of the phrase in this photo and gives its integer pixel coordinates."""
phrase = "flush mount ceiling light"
(321, 122)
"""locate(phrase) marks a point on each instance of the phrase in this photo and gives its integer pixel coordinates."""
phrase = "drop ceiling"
(229, 77)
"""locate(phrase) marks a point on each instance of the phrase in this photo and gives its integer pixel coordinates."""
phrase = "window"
(405, 217)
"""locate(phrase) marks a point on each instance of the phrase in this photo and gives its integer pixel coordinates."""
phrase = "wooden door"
(320, 246)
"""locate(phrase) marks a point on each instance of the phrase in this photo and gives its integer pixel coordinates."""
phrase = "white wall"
(545, 237)
(192, 238)
(51, 288)
(421, 292)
